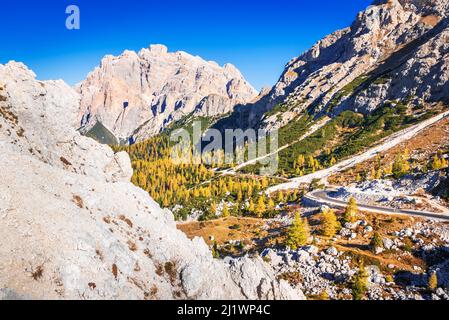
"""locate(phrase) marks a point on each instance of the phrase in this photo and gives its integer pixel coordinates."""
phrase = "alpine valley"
(94, 207)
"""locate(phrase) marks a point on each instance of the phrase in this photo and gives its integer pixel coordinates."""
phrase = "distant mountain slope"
(138, 94)
(395, 50)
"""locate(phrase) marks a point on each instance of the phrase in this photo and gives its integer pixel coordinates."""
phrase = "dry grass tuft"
(115, 271)
(132, 246)
(126, 220)
(78, 201)
(38, 273)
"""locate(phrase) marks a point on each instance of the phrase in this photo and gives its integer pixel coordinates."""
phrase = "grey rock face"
(138, 94)
(74, 227)
(395, 50)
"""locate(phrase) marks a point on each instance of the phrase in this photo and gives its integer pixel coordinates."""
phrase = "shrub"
(433, 282)
(401, 166)
(376, 242)
(215, 252)
(408, 245)
(38, 273)
(329, 223)
(298, 233)
(351, 211)
(360, 283)
(324, 296)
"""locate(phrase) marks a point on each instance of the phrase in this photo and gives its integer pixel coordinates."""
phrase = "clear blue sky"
(259, 37)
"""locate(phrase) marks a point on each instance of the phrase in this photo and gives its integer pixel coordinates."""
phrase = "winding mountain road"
(389, 143)
(322, 197)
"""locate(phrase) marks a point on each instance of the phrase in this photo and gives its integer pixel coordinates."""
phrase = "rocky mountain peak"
(158, 49)
(139, 93)
(394, 50)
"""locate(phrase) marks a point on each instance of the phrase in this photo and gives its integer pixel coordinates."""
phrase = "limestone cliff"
(138, 94)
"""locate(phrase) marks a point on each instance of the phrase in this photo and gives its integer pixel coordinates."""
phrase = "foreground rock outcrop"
(74, 227)
(138, 94)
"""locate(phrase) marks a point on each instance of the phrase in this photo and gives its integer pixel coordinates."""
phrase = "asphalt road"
(322, 196)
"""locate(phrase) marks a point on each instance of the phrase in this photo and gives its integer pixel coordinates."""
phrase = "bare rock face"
(74, 227)
(138, 94)
(395, 50)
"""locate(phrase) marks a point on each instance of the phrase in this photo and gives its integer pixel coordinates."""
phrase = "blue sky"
(259, 37)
